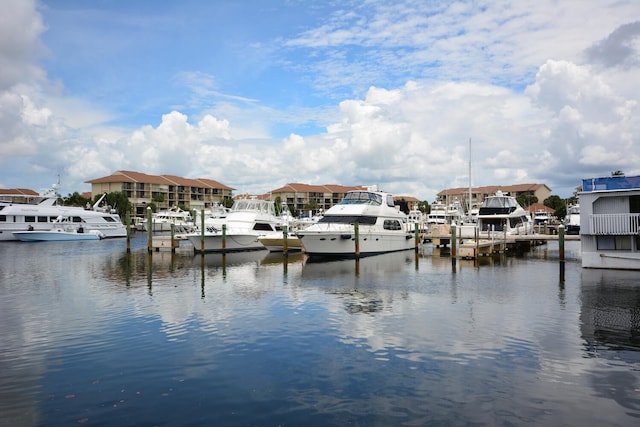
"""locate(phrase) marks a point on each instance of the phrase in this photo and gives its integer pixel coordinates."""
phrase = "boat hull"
(343, 244)
(275, 242)
(55, 236)
(230, 242)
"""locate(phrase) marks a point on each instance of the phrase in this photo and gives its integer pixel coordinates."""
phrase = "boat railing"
(613, 224)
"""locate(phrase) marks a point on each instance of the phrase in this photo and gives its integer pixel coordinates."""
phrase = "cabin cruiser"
(381, 227)
(572, 220)
(64, 229)
(164, 219)
(503, 214)
(275, 240)
(437, 214)
(239, 230)
(42, 215)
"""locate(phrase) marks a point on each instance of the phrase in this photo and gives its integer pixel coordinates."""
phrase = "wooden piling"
(356, 230)
(453, 245)
(285, 242)
(561, 251)
(149, 231)
(224, 238)
(202, 231)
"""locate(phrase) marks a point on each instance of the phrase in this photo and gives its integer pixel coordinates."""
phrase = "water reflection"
(610, 327)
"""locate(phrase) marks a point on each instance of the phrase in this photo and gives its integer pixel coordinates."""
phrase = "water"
(91, 336)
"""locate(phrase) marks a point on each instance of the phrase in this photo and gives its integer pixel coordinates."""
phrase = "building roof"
(18, 192)
(492, 189)
(307, 188)
(539, 207)
(132, 176)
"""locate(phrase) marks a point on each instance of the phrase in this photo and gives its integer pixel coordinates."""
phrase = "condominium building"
(165, 191)
(305, 197)
(478, 194)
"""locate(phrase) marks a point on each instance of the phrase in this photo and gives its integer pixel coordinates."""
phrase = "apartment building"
(478, 194)
(165, 191)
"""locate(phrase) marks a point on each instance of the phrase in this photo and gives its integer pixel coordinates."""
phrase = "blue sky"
(259, 93)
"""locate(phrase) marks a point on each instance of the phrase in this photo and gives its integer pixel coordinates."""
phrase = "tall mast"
(469, 211)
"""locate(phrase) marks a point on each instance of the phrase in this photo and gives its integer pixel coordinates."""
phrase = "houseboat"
(610, 222)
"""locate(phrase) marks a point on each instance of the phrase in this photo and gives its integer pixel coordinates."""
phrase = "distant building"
(478, 194)
(165, 191)
(304, 197)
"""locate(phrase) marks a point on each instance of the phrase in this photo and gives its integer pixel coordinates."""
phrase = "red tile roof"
(131, 176)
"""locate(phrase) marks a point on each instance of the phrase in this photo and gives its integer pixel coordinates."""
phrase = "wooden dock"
(468, 246)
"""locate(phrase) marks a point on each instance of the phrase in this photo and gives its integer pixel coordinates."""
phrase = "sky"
(406, 95)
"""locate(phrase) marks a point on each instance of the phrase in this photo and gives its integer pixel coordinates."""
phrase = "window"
(613, 243)
(29, 218)
(392, 224)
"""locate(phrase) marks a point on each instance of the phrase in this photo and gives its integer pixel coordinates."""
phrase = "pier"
(470, 246)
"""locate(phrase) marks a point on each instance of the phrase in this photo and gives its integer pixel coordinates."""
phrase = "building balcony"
(613, 224)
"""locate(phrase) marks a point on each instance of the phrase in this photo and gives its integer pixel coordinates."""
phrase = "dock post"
(417, 236)
(202, 231)
(224, 238)
(285, 242)
(453, 246)
(149, 231)
(127, 224)
(561, 251)
(173, 232)
(356, 231)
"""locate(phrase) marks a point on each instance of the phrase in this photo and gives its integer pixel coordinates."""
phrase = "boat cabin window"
(3, 218)
(495, 224)
(348, 219)
(361, 197)
(76, 219)
(392, 224)
(43, 219)
(108, 219)
(263, 226)
(29, 218)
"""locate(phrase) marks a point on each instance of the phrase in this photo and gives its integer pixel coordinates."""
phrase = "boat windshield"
(499, 202)
(253, 205)
(361, 197)
(348, 219)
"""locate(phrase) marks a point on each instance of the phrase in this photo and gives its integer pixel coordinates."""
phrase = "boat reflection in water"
(371, 265)
(610, 328)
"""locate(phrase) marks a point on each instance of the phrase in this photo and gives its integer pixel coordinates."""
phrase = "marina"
(113, 337)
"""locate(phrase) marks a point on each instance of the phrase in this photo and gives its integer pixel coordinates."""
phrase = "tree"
(75, 199)
(118, 201)
(423, 206)
(525, 200)
(557, 204)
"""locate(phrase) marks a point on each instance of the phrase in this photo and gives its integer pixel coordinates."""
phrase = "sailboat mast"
(469, 211)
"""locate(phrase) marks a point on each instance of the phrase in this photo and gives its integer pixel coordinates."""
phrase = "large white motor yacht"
(244, 224)
(42, 216)
(382, 227)
(503, 214)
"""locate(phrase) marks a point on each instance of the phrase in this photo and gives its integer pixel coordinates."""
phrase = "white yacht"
(42, 215)
(437, 213)
(64, 229)
(503, 214)
(243, 225)
(572, 220)
(163, 219)
(381, 227)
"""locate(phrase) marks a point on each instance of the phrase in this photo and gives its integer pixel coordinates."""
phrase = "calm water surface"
(93, 336)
